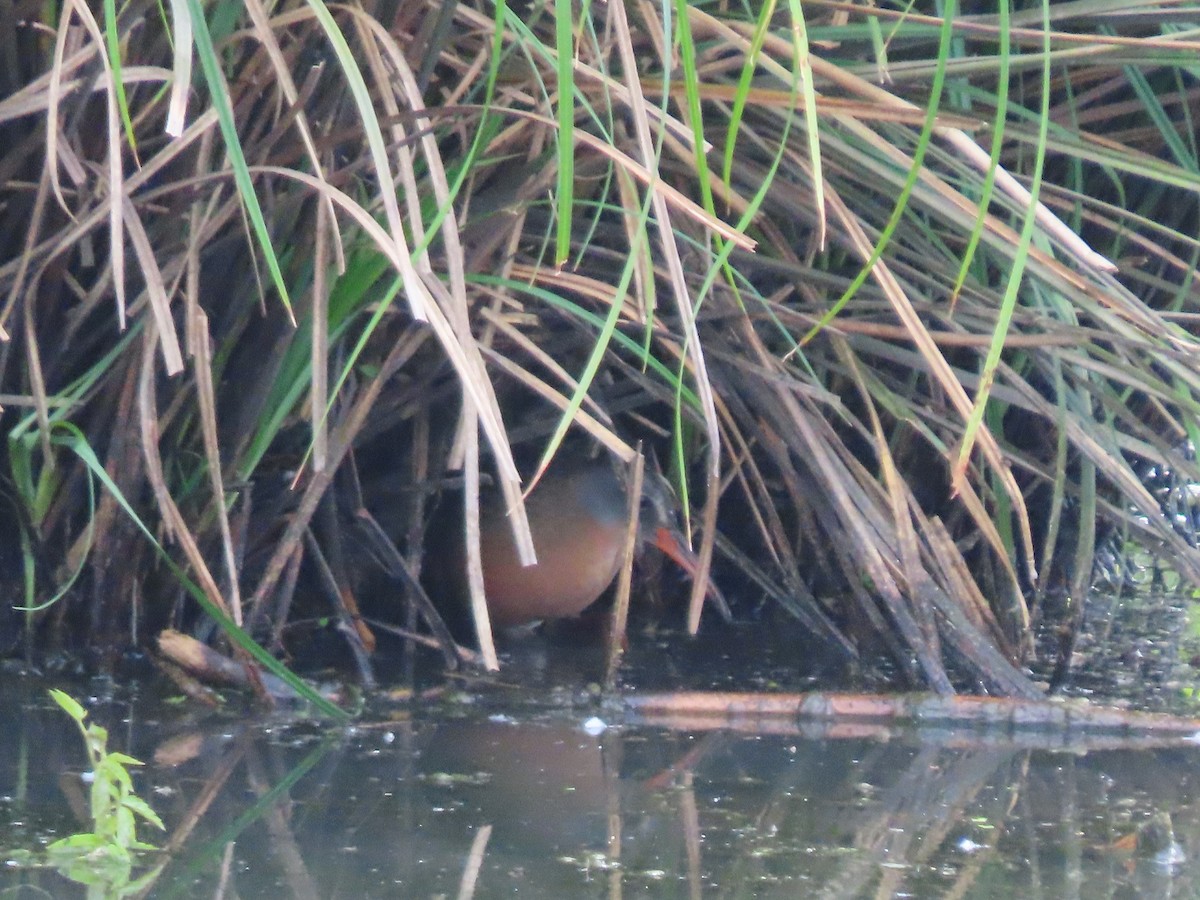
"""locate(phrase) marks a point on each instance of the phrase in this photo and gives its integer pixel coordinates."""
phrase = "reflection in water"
(489, 807)
(544, 788)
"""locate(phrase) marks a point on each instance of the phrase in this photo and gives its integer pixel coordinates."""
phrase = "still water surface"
(547, 791)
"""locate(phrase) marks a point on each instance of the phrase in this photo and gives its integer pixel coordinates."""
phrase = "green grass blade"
(219, 92)
(565, 199)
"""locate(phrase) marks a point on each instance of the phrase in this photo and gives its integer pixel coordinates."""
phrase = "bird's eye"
(654, 511)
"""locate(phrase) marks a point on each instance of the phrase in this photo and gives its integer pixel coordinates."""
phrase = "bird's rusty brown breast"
(577, 517)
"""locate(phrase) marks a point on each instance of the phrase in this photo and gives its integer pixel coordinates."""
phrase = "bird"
(578, 514)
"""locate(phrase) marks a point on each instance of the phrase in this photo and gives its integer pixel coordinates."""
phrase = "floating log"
(1013, 714)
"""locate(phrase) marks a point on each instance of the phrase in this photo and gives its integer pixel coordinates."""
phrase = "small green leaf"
(69, 704)
(76, 844)
(125, 760)
(142, 808)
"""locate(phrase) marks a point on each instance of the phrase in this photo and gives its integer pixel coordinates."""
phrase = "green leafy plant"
(103, 857)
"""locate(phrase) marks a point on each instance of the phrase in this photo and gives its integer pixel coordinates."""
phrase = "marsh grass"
(905, 303)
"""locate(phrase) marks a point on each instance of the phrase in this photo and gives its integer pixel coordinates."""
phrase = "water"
(557, 804)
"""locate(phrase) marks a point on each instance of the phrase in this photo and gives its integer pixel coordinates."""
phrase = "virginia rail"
(577, 514)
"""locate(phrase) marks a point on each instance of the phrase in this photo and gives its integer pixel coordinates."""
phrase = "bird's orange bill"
(668, 541)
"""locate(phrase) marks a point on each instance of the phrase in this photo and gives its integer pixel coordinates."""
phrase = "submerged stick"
(915, 709)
